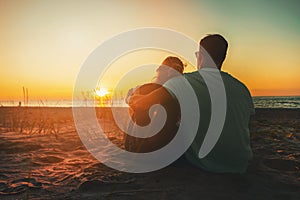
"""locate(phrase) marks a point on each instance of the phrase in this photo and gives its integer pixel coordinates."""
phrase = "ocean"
(277, 102)
(259, 102)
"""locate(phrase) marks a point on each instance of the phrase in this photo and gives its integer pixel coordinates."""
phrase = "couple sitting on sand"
(232, 151)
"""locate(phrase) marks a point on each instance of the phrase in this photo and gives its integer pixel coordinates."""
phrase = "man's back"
(232, 151)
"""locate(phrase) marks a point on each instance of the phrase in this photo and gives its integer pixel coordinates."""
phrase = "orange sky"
(44, 43)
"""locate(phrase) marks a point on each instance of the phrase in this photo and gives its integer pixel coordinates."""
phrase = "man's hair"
(216, 46)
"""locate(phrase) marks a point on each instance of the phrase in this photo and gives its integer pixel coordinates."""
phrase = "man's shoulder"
(236, 86)
(194, 73)
(194, 78)
(228, 77)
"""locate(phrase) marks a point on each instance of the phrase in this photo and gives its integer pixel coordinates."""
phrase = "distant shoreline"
(290, 102)
(122, 107)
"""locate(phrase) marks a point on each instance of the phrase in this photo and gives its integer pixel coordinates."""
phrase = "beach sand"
(42, 157)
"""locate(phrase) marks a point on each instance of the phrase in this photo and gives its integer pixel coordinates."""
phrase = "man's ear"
(199, 61)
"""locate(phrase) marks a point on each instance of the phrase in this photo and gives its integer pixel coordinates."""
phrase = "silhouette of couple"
(232, 151)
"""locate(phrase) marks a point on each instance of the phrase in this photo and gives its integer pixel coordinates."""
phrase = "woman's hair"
(174, 63)
(166, 73)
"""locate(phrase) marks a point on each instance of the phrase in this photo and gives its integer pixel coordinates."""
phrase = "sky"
(43, 44)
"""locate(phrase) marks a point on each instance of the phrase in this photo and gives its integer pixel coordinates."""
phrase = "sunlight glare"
(101, 92)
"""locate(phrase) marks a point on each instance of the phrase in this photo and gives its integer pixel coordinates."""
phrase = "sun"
(101, 92)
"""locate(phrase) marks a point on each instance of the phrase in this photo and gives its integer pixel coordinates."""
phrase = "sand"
(42, 157)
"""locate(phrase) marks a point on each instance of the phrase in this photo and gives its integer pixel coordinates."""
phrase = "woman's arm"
(144, 102)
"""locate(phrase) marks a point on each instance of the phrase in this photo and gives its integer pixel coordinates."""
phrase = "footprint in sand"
(50, 159)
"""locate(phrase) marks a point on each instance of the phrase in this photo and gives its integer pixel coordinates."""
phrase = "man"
(232, 151)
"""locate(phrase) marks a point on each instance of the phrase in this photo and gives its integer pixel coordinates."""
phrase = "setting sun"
(101, 92)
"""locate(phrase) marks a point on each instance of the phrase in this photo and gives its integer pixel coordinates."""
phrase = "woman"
(170, 68)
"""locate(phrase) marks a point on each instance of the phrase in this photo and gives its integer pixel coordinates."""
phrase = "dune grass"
(28, 120)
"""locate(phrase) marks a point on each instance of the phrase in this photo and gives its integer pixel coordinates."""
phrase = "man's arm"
(144, 102)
